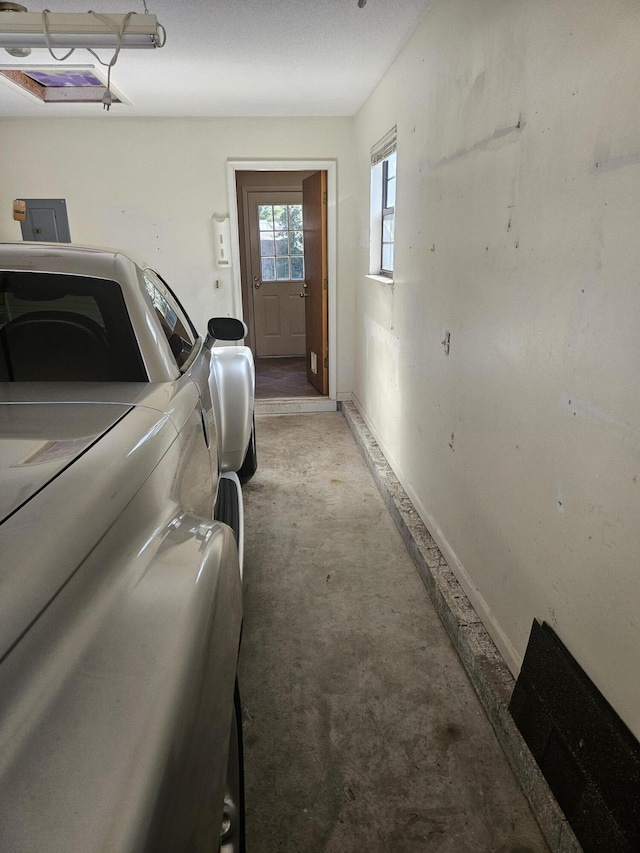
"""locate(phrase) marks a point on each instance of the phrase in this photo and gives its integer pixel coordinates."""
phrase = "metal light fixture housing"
(19, 52)
(26, 30)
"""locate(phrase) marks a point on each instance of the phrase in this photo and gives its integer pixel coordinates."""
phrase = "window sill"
(383, 279)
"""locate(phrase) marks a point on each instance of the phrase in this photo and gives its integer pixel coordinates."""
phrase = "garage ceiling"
(240, 57)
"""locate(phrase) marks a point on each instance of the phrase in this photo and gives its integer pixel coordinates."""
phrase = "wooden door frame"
(330, 167)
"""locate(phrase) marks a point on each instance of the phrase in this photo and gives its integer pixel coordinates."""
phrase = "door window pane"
(268, 269)
(282, 269)
(267, 246)
(280, 218)
(297, 268)
(281, 242)
(295, 217)
(265, 217)
(295, 239)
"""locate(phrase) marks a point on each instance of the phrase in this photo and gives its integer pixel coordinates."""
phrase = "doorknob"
(303, 295)
(256, 281)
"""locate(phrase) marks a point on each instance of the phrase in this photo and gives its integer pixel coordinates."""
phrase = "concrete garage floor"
(362, 731)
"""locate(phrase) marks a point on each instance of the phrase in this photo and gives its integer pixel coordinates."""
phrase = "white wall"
(151, 187)
(518, 202)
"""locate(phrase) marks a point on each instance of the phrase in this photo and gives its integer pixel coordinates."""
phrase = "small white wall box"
(222, 241)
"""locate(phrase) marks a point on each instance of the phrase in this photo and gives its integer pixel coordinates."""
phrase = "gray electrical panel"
(46, 220)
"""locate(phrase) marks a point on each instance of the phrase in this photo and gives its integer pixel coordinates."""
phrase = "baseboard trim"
(485, 667)
(482, 610)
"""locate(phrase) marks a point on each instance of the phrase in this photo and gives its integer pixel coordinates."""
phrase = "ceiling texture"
(238, 57)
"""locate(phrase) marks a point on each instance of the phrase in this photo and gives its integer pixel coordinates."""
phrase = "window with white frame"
(383, 205)
(388, 213)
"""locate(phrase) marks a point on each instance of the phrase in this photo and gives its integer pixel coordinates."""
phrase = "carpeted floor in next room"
(283, 377)
(362, 732)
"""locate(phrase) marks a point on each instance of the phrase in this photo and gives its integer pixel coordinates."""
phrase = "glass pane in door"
(281, 242)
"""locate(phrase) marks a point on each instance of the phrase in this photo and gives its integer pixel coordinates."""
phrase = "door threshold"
(294, 405)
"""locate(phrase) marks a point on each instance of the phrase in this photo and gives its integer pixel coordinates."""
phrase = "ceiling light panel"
(55, 84)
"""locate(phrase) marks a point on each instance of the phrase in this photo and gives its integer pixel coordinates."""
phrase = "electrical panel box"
(45, 220)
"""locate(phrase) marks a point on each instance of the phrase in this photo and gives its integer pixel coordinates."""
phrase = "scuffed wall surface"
(518, 199)
(150, 187)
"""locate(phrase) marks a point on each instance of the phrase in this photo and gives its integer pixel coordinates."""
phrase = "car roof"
(70, 258)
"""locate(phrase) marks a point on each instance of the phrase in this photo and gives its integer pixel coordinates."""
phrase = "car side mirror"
(225, 329)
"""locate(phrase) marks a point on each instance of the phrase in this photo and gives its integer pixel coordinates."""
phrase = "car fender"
(116, 703)
(232, 392)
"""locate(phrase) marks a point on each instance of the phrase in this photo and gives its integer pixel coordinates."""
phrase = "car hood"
(39, 440)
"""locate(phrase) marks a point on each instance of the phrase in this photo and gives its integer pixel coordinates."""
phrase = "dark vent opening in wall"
(588, 756)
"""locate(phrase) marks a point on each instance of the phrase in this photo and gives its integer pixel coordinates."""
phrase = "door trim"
(330, 166)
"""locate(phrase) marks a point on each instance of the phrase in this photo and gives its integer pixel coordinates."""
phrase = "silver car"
(123, 438)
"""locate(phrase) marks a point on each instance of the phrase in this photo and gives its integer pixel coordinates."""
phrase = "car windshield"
(65, 328)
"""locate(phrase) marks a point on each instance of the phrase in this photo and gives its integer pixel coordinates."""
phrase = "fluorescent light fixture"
(78, 30)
